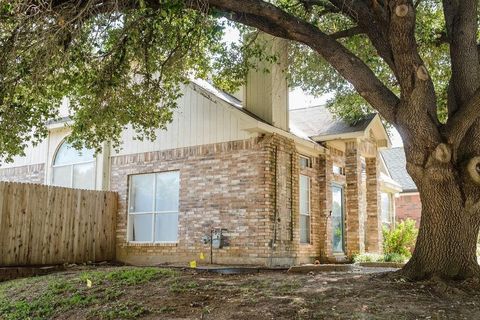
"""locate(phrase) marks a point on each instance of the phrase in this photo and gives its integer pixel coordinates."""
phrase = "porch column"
(354, 230)
(374, 237)
(325, 193)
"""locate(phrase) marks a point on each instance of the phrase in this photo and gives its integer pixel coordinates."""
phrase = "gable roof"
(396, 164)
(208, 90)
(319, 122)
(226, 97)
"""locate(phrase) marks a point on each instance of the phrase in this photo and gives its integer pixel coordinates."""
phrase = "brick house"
(272, 187)
(407, 203)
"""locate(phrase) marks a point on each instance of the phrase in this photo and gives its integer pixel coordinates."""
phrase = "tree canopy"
(117, 61)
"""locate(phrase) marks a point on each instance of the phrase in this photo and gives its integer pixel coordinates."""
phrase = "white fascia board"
(341, 136)
(306, 146)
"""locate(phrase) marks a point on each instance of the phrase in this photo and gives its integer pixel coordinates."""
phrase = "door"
(338, 219)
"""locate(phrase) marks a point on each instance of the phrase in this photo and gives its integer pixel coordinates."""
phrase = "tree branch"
(308, 4)
(459, 123)
(347, 33)
(371, 18)
(417, 90)
(462, 25)
(272, 20)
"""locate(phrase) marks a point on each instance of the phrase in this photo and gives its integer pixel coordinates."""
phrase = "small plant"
(395, 257)
(369, 257)
(178, 287)
(400, 240)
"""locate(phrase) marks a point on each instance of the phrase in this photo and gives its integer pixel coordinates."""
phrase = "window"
(153, 207)
(305, 162)
(337, 214)
(386, 203)
(338, 170)
(74, 168)
(304, 209)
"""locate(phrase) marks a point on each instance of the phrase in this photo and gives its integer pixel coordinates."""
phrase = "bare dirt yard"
(161, 293)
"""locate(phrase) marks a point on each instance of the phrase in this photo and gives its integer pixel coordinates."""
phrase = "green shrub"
(395, 257)
(400, 240)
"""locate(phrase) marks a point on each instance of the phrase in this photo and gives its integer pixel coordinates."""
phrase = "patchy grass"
(179, 286)
(128, 310)
(156, 293)
(45, 297)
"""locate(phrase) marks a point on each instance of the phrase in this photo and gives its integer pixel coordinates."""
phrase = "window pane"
(166, 227)
(304, 194)
(304, 229)
(305, 162)
(167, 192)
(141, 227)
(385, 207)
(84, 176)
(304, 209)
(62, 176)
(337, 219)
(66, 154)
(141, 193)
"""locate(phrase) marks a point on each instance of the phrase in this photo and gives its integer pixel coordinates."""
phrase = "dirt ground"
(155, 293)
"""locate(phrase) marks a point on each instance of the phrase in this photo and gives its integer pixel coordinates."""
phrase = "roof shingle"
(318, 121)
(396, 164)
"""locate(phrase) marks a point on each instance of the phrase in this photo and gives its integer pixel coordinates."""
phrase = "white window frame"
(308, 214)
(153, 213)
(308, 159)
(72, 165)
(389, 209)
(338, 170)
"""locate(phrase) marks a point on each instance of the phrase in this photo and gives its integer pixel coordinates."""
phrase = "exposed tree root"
(437, 283)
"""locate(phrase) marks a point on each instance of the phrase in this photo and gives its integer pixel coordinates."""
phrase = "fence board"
(52, 225)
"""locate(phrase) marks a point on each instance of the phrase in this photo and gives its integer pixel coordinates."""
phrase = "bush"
(399, 241)
(395, 257)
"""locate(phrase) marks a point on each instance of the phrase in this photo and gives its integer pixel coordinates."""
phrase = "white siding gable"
(200, 118)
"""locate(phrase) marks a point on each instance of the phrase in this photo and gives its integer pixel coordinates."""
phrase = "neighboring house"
(408, 203)
(273, 187)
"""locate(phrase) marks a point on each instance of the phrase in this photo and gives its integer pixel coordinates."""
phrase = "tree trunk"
(447, 239)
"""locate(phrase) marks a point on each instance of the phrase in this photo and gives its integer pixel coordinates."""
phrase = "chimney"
(266, 93)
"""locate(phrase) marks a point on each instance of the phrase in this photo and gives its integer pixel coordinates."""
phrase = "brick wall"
(408, 206)
(355, 219)
(373, 230)
(31, 174)
(325, 177)
(248, 187)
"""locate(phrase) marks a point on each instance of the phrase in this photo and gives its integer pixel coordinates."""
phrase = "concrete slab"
(322, 268)
(381, 264)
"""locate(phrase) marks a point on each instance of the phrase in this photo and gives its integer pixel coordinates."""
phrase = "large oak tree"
(417, 63)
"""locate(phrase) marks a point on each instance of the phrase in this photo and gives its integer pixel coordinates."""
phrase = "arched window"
(73, 168)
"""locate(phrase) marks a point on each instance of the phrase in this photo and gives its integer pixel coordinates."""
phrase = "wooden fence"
(41, 225)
